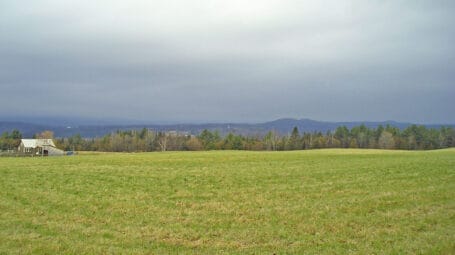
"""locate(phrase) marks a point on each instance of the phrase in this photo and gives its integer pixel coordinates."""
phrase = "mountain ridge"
(282, 126)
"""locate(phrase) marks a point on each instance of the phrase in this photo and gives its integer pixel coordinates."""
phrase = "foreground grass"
(314, 202)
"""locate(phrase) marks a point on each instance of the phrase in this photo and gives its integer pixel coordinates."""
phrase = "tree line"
(10, 141)
(413, 137)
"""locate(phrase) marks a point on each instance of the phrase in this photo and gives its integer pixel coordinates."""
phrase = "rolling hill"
(281, 126)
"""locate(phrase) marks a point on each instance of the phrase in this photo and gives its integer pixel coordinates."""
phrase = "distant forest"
(413, 137)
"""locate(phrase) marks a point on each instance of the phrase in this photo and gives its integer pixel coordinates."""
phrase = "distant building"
(39, 147)
(177, 133)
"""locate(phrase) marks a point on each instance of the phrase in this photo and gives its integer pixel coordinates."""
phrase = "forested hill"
(281, 126)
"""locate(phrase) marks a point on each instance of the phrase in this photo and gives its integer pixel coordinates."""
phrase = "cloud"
(229, 61)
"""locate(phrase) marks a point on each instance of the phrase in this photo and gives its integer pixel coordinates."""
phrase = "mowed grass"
(225, 202)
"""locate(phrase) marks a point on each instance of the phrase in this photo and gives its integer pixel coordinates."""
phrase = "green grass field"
(302, 202)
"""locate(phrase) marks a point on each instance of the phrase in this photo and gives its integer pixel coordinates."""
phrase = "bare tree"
(386, 141)
(46, 134)
(163, 139)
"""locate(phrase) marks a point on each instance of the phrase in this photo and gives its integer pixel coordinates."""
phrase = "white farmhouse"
(39, 147)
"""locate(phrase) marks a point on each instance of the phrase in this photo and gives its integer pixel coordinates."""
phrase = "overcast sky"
(228, 61)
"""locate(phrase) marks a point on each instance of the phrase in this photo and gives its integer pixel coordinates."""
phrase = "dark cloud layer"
(229, 60)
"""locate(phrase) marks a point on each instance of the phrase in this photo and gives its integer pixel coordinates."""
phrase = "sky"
(228, 61)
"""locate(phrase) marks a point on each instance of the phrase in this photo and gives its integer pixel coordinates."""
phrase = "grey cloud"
(237, 61)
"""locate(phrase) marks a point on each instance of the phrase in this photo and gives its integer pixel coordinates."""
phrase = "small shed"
(39, 147)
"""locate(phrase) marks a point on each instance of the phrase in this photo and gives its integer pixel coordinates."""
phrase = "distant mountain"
(282, 126)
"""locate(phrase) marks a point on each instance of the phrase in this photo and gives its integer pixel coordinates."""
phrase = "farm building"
(39, 147)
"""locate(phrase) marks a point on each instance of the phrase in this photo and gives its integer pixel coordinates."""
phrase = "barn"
(39, 147)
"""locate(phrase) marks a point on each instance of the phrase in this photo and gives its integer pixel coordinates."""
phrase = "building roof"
(33, 143)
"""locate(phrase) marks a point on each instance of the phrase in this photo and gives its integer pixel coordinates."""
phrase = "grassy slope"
(321, 201)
